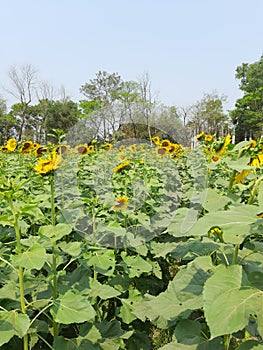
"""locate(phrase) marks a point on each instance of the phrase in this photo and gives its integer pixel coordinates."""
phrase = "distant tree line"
(113, 109)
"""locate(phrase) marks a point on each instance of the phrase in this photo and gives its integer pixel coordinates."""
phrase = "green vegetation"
(131, 247)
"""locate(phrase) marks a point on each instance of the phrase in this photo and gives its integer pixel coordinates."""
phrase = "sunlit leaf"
(33, 258)
(229, 300)
(72, 308)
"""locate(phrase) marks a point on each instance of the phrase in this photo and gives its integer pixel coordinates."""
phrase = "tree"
(61, 115)
(103, 92)
(208, 115)
(7, 123)
(248, 114)
(23, 82)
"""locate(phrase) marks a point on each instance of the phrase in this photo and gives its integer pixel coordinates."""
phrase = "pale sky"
(188, 47)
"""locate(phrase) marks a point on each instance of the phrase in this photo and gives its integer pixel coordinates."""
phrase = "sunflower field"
(131, 246)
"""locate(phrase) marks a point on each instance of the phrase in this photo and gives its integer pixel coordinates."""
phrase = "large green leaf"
(55, 232)
(211, 200)
(12, 323)
(134, 266)
(72, 308)
(183, 295)
(235, 223)
(229, 301)
(33, 258)
(103, 291)
(103, 261)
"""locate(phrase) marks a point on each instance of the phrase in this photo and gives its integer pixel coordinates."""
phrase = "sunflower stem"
(54, 255)
(235, 255)
(231, 182)
(20, 269)
(254, 190)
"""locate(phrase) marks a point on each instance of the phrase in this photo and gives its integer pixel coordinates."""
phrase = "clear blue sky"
(188, 47)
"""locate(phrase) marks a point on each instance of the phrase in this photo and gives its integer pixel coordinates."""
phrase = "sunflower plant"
(125, 247)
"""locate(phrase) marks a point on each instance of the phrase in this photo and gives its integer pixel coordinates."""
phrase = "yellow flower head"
(240, 177)
(216, 230)
(121, 166)
(82, 149)
(46, 165)
(255, 162)
(260, 158)
(122, 203)
(200, 136)
(225, 144)
(162, 151)
(39, 151)
(209, 138)
(11, 145)
(107, 146)
(165, 143)
(156, 140)
(62, 149)
(27, 147)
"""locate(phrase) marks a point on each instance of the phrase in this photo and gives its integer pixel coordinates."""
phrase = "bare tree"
(23, 82)
(45, 91)
(148, 101)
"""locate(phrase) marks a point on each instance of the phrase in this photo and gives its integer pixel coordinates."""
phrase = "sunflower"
(255, 162)
(209, 138)
(27, 147)
(11, 145)
(216, 230)
(107, 146)
(39, 151)
(200, 136)
(82, 149)
(165, 143)
(260, 158)
(62, 149)
(122, 203)
(121, 166)
(46, 165)
(91, 148)
(156, 140)
(225, 144)
(240, 177)
(162, 151)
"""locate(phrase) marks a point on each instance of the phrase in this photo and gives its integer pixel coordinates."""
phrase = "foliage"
(126, 247)
(208, 114)
(248, 112)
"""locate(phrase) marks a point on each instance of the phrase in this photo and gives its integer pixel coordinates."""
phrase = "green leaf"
(211, 200)
(184, 294)
(32, 210)
(33, 258)
(103, 291)
(134, 266)
(251, 345)
(8, 291)
(235, 223)
(139, 341)
(229, 301)
(188, 332)
(12, 323)
(241, 145)
(239, 164)
(103, 261)
(55, 232)
(176, 346)
(6, 330)
(71, 248)
(72, 308)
